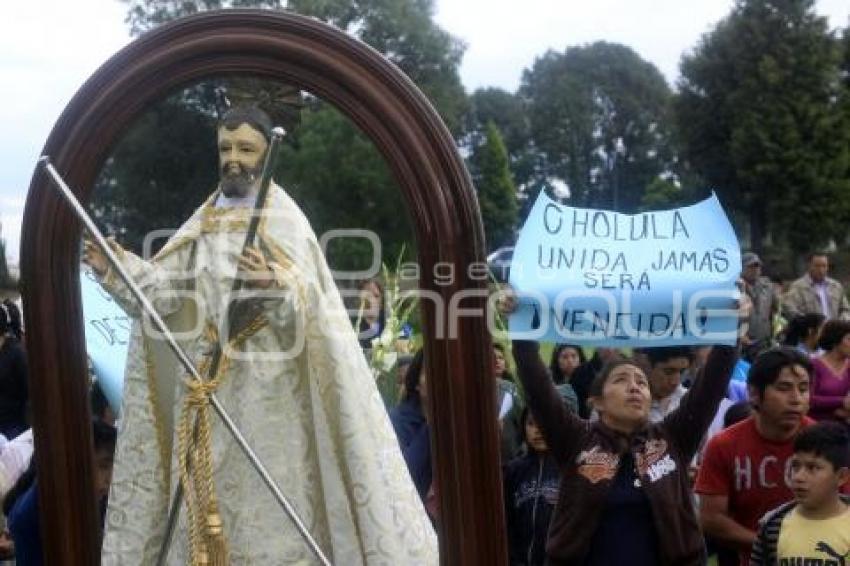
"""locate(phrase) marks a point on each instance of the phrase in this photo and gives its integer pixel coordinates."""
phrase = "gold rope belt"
(207, 545)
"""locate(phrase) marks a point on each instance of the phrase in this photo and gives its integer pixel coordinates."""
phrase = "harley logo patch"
(596, 464)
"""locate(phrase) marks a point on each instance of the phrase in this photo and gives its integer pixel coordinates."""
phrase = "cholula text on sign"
(606, 278)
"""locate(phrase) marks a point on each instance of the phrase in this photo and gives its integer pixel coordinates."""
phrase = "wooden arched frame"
(387, 106)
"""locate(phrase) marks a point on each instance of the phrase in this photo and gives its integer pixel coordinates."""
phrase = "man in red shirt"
(745, 469)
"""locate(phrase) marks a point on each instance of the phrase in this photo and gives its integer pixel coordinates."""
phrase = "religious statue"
(283, 359)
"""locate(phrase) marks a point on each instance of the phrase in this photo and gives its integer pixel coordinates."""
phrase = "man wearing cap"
(814, 292)
(765, 305)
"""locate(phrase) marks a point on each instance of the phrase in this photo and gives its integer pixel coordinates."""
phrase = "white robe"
(316, 420)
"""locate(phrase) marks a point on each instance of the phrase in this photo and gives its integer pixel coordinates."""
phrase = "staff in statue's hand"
(254, 269)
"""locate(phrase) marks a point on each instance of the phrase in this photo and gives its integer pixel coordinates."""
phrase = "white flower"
(389, 360)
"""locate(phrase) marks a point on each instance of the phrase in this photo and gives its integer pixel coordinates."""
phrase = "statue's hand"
(94, 257)
(254, 269)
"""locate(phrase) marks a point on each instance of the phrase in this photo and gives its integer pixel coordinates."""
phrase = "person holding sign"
(291, 374)
(623, 478)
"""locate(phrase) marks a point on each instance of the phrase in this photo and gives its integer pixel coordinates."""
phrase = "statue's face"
(240, 153)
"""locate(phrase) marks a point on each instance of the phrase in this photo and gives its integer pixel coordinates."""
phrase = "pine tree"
(760, 118)
(496, 189)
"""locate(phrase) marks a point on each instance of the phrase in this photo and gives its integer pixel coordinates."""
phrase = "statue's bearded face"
(240, 152)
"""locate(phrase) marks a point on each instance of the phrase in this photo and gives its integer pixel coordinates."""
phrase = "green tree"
(156, 182)
(760, 120)
(143, 15)
(496, 190)
(845, 48)
(599, 122)
(338, 179)
(160, 171)
(404, 31)
(503, 109)
(508, 112)
(662, 193)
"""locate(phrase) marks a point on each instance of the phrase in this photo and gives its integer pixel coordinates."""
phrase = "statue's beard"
(237, 180)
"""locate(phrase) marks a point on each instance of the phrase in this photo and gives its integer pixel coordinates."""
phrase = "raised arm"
(560, 427)
(156, 280)
(688, 423)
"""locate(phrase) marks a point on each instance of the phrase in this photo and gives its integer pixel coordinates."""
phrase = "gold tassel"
(207, 544)
(216, 542)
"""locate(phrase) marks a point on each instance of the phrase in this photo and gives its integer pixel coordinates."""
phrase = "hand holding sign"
(506, 302)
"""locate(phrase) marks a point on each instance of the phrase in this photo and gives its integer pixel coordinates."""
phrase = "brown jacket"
(588, 454)
(802, 298)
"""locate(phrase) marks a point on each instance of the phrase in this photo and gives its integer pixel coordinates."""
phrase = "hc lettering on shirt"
(766, 473)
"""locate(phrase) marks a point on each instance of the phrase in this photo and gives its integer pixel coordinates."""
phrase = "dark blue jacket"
(414, 437)
(531, 491)
(23, 523)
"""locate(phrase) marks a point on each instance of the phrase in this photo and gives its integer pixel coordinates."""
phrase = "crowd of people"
(20, 538)
(675, 453)
(668, 455)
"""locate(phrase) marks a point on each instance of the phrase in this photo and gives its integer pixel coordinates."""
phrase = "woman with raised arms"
(625, 496)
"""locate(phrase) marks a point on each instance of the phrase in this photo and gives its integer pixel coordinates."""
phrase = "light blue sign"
(604, 278)
(107, 337)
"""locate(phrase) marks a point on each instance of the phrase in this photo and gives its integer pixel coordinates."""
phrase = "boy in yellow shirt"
(814, 529)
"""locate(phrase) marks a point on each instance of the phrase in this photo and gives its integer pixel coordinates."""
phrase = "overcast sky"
(49, 47)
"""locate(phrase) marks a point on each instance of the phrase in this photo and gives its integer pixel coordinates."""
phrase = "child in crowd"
(814, 528)
(531, 492)
(21, 503)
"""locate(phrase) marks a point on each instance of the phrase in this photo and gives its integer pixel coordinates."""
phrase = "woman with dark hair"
(829, 396)
(508, 404)
(373, 318)
(14, 389)
(566, 359)
(803, 332)
(625, 494)
(500, 366)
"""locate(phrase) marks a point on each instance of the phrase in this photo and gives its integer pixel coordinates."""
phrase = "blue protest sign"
(604, 278)
(107, 330)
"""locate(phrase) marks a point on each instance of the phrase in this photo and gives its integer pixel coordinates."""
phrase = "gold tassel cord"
(207, 545)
